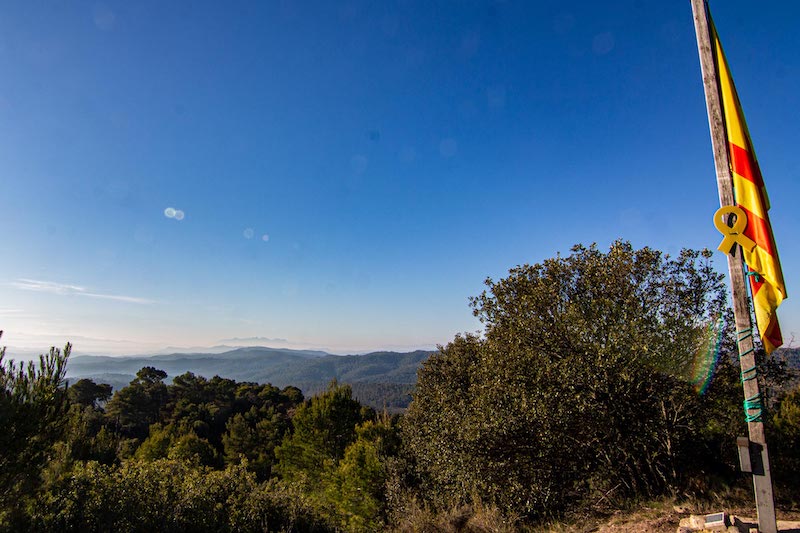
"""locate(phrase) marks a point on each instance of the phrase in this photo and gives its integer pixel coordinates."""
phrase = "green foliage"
(339, 454)
(393, 397)
(189, 446)
(206, 404)
(239, 420)
(580, 390)
(86, 436)
(156, 445)
(356, 487)
(138, 405)
(579, 387)
(193, 418)
(176, 441)
(105, 473)
(88, 393)
(785, 447)
(254, 437)
(322, 429)
(310, 371)
(32, 408)
(170, 496)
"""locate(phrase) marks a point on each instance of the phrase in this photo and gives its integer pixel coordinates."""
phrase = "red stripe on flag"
(773, 333)
(758, 229)
(755, 286)
(773, 330)
(745, 164)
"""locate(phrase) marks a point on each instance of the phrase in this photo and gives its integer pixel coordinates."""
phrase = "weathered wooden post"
(759, 457)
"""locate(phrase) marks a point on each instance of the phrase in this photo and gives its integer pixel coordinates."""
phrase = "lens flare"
(705, 360)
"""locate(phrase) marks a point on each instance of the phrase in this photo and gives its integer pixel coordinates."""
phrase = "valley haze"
(380, 379)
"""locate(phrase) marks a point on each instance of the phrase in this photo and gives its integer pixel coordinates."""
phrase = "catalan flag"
(764, 268)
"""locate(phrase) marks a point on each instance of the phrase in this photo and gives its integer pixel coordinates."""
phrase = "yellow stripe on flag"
(748, 194)
(767, 287)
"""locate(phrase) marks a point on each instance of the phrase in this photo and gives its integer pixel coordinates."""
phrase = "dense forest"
(600, 379)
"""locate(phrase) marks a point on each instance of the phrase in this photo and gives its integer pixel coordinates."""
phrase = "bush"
(785, 452)
(170, 496)
(580, 388)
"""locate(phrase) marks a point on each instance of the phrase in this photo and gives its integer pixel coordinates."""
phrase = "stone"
(693, 522)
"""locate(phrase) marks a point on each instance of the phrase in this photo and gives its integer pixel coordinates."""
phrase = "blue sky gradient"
(351, 172)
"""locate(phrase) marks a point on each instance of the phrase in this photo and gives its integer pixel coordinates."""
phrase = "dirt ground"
(645, 520)
(660, 520)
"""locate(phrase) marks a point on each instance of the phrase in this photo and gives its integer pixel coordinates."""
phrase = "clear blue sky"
(346, 174)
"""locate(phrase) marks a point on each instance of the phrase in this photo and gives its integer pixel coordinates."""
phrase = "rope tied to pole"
(749, 374)
(743, 334)
(753, 403)
(754, 274)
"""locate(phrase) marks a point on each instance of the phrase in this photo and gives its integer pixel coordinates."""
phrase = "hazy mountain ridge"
(376, 367)
(791, 356)
(378, 378)
(238, 363)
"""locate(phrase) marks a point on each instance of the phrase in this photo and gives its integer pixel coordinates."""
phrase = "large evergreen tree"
(322, 428)
(33, 405)
(135, 407)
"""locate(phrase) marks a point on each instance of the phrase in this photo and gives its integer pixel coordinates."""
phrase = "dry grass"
(664, 515)
(659, 516)
(476, 518)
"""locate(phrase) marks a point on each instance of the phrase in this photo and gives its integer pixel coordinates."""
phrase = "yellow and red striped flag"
(766, 280)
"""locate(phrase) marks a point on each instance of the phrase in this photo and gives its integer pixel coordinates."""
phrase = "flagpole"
(762, 479)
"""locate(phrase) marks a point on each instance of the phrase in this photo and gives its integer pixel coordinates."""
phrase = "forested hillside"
(379, 379)
(601, 379)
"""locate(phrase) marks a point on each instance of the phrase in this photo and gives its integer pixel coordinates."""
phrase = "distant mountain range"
(380, 379)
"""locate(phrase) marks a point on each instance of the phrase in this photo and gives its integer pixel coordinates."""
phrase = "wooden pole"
(762, 479)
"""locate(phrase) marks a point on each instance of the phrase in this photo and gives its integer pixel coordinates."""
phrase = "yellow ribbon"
(733, 234)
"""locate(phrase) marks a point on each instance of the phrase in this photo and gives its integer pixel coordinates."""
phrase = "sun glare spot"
(707, 355)
(173, 213)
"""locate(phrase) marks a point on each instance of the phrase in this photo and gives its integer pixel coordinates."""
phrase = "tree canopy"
(33, 405)
(589, 386)
(579, 385)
